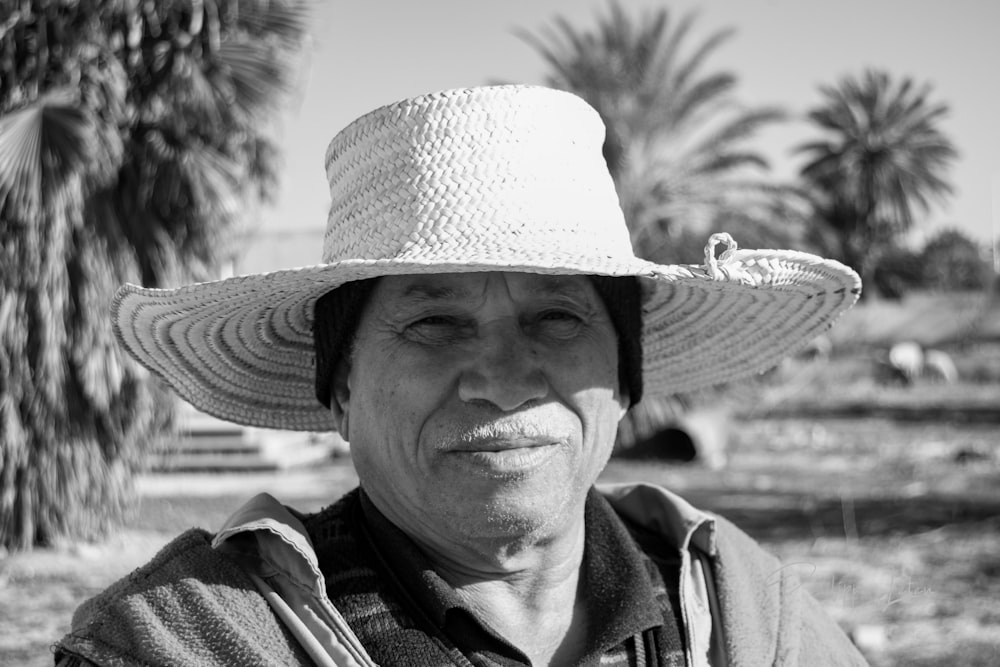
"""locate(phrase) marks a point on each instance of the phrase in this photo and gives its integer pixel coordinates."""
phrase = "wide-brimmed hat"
(507, 178)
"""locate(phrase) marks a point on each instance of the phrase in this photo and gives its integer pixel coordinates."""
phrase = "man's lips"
(502, 444)
(502, 450)
(504, 459)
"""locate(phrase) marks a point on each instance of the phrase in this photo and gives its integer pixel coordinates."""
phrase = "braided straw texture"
(504, 178)
(488, 175)
(763, 306)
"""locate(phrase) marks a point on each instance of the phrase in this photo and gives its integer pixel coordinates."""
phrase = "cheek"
(384, 430)
(590, 384)
(588, 369)
(600, 409)
(390, 404)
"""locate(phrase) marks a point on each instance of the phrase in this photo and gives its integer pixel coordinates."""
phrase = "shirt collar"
(663, 512)
(620, 593)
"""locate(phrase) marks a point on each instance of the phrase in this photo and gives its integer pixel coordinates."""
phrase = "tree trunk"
(75, 418)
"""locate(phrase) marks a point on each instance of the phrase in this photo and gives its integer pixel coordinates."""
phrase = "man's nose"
(506, 369)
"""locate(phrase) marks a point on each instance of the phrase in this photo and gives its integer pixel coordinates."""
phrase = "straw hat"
(498, 178)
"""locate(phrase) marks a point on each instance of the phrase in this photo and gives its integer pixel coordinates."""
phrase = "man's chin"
(516, 511)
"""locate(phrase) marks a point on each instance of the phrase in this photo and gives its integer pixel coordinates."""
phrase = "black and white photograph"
(499, 334)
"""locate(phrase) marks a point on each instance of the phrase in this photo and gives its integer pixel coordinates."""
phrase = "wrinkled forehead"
(467, 286)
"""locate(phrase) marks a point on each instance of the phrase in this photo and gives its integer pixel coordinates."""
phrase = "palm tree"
(882, 160)
(130, 133)
(676, 135)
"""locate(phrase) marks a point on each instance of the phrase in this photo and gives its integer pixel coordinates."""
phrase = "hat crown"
(488, 174)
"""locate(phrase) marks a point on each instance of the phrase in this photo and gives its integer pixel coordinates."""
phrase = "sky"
(368, 53)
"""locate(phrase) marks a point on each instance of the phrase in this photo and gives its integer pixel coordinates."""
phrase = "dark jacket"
(194, 605)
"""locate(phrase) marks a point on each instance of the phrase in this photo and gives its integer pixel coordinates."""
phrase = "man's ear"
(340, 396)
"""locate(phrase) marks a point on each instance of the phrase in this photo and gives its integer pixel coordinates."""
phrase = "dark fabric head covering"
(335, 319)
(622, 300)
(337, 313)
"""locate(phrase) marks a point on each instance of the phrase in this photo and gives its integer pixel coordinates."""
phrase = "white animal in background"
(910, 361)
(907, 357)
(939, 366)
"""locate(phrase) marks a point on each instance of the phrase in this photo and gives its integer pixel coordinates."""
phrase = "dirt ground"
(893, 526)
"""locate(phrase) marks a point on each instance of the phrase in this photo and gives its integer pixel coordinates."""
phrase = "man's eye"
(558, 323)
(437, 329)
(433, 321)
(559, 316)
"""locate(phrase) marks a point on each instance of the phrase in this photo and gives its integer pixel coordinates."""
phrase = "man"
(477, 330)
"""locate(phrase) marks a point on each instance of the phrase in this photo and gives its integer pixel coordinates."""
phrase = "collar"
(272, 535)
(651, 507)
(665, 513)
(620, 596)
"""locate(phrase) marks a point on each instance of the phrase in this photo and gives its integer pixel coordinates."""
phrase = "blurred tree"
(898, 271)
(676, 135)
(130, 134)
(951, 260)
(882, 159)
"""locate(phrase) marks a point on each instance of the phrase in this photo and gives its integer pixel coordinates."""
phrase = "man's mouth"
(503, 444)
(507, 457)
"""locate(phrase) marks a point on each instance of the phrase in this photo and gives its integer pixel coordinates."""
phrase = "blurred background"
(168, 141)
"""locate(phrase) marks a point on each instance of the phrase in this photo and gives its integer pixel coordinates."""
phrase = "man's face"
(482, 404)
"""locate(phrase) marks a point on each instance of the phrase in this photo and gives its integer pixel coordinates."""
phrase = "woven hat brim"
(701, 330)
(241, 349)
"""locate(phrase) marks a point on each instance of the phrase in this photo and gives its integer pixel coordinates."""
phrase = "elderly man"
(478, 327)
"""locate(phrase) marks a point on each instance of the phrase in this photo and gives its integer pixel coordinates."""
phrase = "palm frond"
(42, 146)
(668, 47)
(702, 97)
(686, 71)
(193, 97)
(735, 130)
(729, 161)
(257, 74)
(20, 160)
(285, 20)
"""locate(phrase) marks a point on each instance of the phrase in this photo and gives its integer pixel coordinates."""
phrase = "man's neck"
(525, 584)
(549, 625)
(528, 588)
(529, 592)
